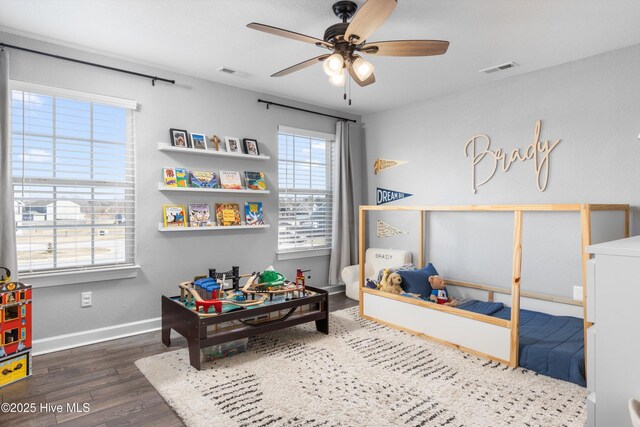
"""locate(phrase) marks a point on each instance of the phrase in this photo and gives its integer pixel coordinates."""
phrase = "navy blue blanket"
(550, 345)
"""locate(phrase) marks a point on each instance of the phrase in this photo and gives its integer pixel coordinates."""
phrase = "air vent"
(500, 67)
(226, 70)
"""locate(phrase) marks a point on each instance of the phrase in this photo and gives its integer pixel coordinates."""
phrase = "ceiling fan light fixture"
(363, 68)
(333, 65)
(337, 80)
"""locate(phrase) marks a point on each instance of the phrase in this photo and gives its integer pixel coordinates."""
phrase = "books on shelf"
(199, 215)
(174, 216)
(255, 180)
(228, 214)
(253, 213)
(169, 175)
(200, 179)
(181, 177)
(230, 180)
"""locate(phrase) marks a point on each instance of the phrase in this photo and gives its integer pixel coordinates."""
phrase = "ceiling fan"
(347, 40)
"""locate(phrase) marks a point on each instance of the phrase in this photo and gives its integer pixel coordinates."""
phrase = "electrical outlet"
(577, 293)
(85, 299)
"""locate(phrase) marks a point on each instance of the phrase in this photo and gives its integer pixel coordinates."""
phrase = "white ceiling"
(197, 37)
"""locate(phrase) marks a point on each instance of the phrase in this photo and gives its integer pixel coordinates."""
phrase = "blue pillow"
(417, 281)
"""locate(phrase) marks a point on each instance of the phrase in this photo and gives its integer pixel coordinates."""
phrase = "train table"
(242, 322)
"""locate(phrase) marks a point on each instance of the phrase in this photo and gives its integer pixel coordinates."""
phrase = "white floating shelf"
(163, 146)
(163, 229)
(163, 187)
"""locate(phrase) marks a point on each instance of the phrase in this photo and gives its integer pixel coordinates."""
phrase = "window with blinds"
(73, 180)
(305, 181)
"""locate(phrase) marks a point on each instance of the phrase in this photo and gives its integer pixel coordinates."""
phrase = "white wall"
(591, 104)
(167, 258)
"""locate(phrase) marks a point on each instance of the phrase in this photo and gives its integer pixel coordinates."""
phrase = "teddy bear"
(439, 293)
(390, 282)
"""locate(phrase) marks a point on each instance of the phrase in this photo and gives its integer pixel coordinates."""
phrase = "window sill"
(283, 256)
(44, 280)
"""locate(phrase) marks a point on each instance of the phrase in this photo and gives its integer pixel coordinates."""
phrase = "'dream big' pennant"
(385, 196)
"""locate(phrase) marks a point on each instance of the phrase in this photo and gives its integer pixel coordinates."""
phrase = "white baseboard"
(93, 336)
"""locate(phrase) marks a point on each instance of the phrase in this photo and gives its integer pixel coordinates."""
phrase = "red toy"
(15, 329)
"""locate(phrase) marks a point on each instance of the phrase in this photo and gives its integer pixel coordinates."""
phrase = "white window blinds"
(73, 179)
(305, 178)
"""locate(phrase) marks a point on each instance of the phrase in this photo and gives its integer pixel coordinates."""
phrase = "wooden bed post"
(361, 252)
(585, 222)
(515, 288)
(627, 229)
(421, 240)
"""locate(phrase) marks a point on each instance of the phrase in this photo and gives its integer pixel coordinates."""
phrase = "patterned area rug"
(362, 374)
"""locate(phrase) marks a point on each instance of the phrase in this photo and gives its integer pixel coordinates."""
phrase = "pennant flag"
(382, 164)
(385, 196)
(386, 230)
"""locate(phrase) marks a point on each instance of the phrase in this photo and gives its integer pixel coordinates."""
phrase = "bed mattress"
(550, 345)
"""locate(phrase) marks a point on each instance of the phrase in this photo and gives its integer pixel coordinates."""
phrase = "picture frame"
(199, 141)
(180, 138)
(233, 144)
(251, 147)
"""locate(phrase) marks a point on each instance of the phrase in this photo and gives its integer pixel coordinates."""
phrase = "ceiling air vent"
(226, 70)
(500, 67)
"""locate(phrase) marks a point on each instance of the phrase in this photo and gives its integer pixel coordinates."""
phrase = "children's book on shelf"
(174, 216)
(181, 177)
(199, 215)
(255, 180)
(253, 213)
(228, 214)
(201, 179)
(230, 180)
(169, 177)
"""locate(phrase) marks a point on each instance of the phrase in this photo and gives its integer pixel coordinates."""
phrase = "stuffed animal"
(391, 282)
(439, 293)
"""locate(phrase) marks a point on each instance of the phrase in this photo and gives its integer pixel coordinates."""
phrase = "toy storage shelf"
(163, 229)
(163, 146)
(163, 187)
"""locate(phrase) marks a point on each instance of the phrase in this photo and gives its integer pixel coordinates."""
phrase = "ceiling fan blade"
(288, 34)
(300, 66)
(406, 48)
(370, 80)
(368, 18)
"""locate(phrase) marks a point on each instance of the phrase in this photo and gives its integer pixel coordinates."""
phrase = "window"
(305, 181)
(73, 179)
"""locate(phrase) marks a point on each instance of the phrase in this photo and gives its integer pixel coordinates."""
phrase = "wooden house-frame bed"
(490, 337)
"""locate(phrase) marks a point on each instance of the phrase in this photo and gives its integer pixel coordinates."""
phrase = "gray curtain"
(343, 247)
(8, 256)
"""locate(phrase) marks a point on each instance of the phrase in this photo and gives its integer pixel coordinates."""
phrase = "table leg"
(194, 354)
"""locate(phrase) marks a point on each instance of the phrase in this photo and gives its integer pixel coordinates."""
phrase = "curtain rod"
(93, 64)
(269, 103)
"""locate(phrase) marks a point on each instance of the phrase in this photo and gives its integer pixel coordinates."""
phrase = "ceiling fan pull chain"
(349, 91)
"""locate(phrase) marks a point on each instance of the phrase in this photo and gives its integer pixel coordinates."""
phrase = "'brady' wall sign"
(385, 196)
(478, 148)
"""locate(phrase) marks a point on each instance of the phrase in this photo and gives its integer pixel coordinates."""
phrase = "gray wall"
(167, 258)
(591, 104)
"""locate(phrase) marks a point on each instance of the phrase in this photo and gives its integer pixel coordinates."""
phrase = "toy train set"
(15, 329)
(208, 292)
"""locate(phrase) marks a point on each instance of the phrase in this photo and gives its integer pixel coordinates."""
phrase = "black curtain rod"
(154, 79)
(269, 103)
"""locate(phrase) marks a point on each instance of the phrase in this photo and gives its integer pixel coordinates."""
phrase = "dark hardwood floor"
(104, 376)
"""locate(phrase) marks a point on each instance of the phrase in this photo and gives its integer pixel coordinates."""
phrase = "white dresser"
(613, 342)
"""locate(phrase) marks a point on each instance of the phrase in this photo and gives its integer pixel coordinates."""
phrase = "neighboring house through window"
(73, 179)
(305, 185)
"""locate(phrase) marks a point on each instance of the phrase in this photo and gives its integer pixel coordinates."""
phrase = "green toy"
(271, 279)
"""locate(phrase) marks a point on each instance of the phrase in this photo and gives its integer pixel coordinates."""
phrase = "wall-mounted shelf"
(163, 146)
(163, 187)
(163, 229)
